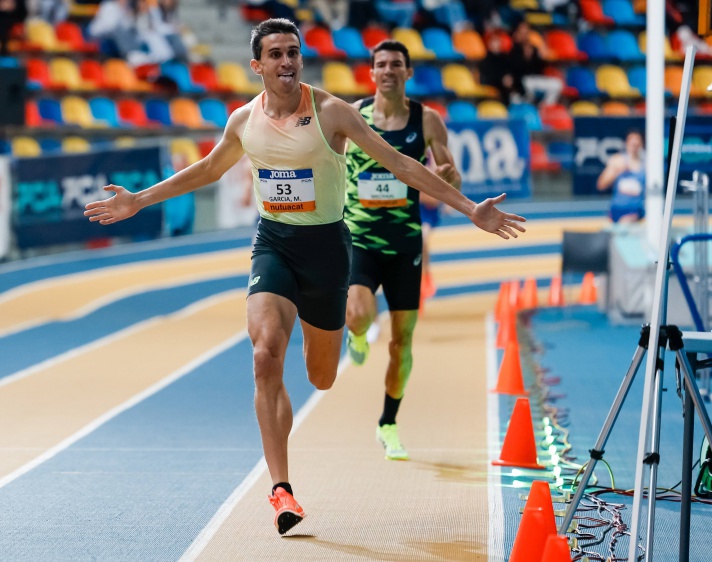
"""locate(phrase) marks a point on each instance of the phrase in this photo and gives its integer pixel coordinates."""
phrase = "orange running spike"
(519, 447)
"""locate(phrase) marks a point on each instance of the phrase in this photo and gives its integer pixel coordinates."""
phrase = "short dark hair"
(391, 45)
(268, 27)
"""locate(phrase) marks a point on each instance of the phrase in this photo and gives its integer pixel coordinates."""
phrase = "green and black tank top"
(382, 213)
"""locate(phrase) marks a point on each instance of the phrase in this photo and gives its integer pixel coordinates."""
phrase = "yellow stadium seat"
(186, 148)
(492, 109)
(469, 43)
(582, 108)
(125, 142)
(75, 145)
(339, 80)
(186, 112)
(615, 108)
(614, 81)
(65, 72)
(670, 55)
(25, 147)
(414, 42)
(41, 34)
(701, 79)
(233, 76)
(459, 78)
(76, 111)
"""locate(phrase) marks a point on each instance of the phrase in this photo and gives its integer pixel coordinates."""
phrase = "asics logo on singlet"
(255, 281)
(303, 121)
(411, 137)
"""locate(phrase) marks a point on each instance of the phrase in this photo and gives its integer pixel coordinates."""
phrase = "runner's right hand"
(119, 207)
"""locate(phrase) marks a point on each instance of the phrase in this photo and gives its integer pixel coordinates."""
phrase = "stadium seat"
(670, 54)
(185, 112)
(339, 80)
(566, 90)
(594, 45)
(40, 36)
(76, 111)
(203, 73)
(50, 110)
(492, 109)
(582, 108)
(615, 109)
(414, 42)
(362, 74)
(592, 12)
(118, 75)
(563, 47)
(673, 81)
(38, 75)
(349, 40)
(179, 73)
(92, 72)
(540, 159)
(462, 111)
(439, 42)
(5, 147)
(65, 72)
(9, 62)
(613, 80)
(623, 46)
(637, 76)
(187, 148)
(234, 77)
(75, 145)
(584, 80)
(621, 12)
(158, 110)
(232, 105)
(459, 78)
(562, 153)
(213, 111)
(701, 79)
(437, 106)
(50, 145)
(205, 147)
(470, 44)
(320, 39)
(372, 36)
(556, 116)
(527, 112)
(125, 142)
(104, 110)
(430, 79)
(70, 33)
(32, 115)
(132, 112)
(25, 147)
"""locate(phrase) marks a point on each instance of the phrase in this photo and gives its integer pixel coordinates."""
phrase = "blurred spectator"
(624, 174)
(399, 13)
(528, 69)
(114, 22)
(448, 13)
(11, 12)
(496, 69)
(53, 11)
(155, 46)
(169, 25)
(333, 13)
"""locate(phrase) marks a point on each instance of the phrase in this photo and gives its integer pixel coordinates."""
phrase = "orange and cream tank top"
(298, 178)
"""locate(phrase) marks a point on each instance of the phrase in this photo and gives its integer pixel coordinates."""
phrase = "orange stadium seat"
(470, 44)
(186, 112)
(372, 36)
(615, 109)
(233, 77)
(118, 75)
(65, 72)
(339, 80)
(673, 82)
(414, 42)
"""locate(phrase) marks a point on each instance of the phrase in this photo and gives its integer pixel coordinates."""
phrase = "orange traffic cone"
(531, 537)
(510, 379)
(507, 328)
(502, 301)
(556, 292)
(519, 447)
(528, 296)
(514, 295)
(540, 496)
(556, 549)
(588, 290)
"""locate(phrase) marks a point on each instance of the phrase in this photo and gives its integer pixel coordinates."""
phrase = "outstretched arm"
(125, 204)
(485, 215)
(614, 168)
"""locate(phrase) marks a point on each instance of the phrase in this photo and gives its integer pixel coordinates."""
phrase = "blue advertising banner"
(492, 157)
(50, 193)
(596, 139)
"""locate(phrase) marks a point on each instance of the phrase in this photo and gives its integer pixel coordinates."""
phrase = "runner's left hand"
(491, 219)
(447, 172)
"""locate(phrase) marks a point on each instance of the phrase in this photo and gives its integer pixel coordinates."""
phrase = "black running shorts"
(399, 274)
(309, 265)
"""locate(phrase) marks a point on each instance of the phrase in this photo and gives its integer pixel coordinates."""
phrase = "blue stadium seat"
(50, 110)
(562, 152)
(349, 39)
(594, 45)
(638, 78)
(527, 112)
(461, 111)
(431, 80)
(622, 13)
(623, 46)
(50, 145)
(5, 147)
(439, 41)
(159, 110)
(104, 109)
(178, 72)
(213, 111)
(584, 80)
(9, 62)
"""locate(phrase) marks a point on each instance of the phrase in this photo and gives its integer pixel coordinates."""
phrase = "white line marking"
(495, 542)
(134, 400)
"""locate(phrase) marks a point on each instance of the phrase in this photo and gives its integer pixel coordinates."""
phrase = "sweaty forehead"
(388, 56)
(279, 41)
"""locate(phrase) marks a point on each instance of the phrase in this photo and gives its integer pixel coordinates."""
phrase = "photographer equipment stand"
(655, 338)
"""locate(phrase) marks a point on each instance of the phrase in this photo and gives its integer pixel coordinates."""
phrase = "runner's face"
(633, 144)
(389, 71)
(280, 64)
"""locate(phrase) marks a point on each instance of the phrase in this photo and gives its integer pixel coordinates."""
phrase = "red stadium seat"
(563, 46)
(92, 71)
(362, 73)
(437, 106)
(592, 12)
(70, 33)
(557, 117)
(540, 159)
(320, 39)
(372, 36)
(132, 111)
(205, 75)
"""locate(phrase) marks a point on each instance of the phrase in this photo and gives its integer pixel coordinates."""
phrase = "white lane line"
(495, 541)
(130, 403)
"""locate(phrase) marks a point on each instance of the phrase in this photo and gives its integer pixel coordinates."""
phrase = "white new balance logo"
(254, 281)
